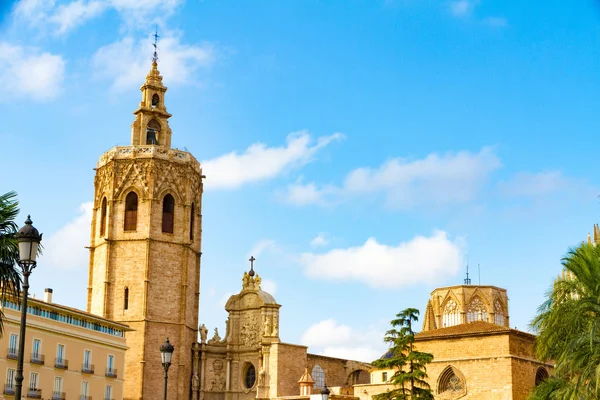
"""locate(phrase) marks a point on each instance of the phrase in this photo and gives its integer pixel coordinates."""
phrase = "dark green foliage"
(568, 325)
(9, 252)
(409, 364)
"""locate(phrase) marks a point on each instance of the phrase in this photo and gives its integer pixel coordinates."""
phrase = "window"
(152, 132)
(192, 217)
(58, 384)
(103, 217)
(60, 353)
(110, 365)
(384, 377)
(87, 359)
(318, 375)
(126, 299)
(84, 388)
(10, 378)
(155, 100)
(498, 313)
(476, 310)
(451, 314)
(108, 392)
(541, 375)
(13, 344)
(168, 213)
(33, 381)
(249, 376)
(37, 348)
(451, 382)
(131, 206)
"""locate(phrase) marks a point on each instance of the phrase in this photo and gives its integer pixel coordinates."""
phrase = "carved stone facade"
(145, 247)
(252, 362)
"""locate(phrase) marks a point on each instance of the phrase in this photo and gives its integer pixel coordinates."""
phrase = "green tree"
(568, 325)
(9, 252)
(409, 364)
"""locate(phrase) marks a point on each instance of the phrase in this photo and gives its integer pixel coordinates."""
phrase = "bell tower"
(145, 246)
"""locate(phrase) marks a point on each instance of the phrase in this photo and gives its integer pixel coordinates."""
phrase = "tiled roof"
(473, 328)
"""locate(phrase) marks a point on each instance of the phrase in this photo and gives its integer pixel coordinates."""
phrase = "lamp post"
(325, 393)
(29, 240)
(166, 353)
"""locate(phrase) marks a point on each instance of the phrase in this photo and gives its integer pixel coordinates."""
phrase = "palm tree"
(568, 324)
(410, 365)
(9, 252)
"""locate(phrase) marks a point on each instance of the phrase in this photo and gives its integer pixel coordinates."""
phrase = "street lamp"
(29, 240)
(166, 353)
(325, 393)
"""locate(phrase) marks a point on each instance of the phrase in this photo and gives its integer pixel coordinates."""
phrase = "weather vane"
(155, 44)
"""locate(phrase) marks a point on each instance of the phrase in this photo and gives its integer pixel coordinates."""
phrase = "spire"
(467, 279)
(151, 126)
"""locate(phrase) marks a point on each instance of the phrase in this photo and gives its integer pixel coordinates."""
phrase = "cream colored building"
(68, 353)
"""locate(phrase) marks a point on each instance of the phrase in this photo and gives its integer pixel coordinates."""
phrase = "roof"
(477, 328)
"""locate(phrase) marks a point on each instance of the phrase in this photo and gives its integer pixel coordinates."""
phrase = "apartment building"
(69, 353)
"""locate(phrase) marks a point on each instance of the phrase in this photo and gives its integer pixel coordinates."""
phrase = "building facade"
(68, 353)
(145, 245)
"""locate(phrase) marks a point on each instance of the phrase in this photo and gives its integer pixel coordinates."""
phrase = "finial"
(467, 279)
(155, 44)
(252, 259)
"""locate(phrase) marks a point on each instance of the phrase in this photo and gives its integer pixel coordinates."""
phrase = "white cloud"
(462, 8)
(329, 338)
(65, 248)
(63, 17)
(260, 162)
(527, 184)
(422, 259)
(320, 240)
(29, 72)
(450, 178)
(269, 286)
(125, 61)
(262, 246)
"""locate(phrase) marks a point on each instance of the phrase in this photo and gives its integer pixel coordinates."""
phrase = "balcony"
(37, 358)
(87, 369)
(9, 388)
(59, 395)
(82, 397)
(61, 363)
(34, 393)
(111, 372)
(12, 354)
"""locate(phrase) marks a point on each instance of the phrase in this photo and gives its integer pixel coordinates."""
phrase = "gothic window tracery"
(451, 382)
(168, 213)
(451, 314)
(131, 206)
(498, 313)
(318, 376)
(476, 311)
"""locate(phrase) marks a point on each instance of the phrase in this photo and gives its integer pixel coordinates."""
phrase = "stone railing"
(164, 153)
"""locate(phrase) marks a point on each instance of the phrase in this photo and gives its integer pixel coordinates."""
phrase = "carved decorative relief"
(249, 333)
(103, 182)
(132, 172)
(217, 378)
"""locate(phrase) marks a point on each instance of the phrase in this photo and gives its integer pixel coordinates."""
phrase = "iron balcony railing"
(9, 388)
(87, 368)
(111, 372)
(37, 358)
(12, 353)
(61, 363)
(59, 396)
(34, 393)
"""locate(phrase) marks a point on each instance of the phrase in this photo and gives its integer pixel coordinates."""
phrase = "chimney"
(48, 295)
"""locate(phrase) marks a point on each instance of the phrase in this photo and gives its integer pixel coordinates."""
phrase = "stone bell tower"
(145, 247)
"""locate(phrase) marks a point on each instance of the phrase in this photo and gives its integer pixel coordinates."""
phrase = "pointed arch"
(131, 208)
(103, 210)
(450, 312)
(499, 312)
(168, 213)
(477, 310)
(451, 383)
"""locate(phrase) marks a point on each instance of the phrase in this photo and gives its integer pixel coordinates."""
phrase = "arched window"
(476, 310)
(451, 382)
(498, 313)
(168, 213)
(131, 206)
(155, 100)
(541, 375)
(451, 314)
(103, 217)
(152, 132)
(192, 217)
(126, 298)
(318, 376)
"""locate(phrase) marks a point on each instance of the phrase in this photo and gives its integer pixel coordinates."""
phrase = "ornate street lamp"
(166, 353)
(325, 393)
(29, 241)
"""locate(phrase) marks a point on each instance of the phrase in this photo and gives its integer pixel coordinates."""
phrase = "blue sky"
(361, 151)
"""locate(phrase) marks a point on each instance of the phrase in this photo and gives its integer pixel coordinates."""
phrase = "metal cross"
(252, 259)
(155, 44)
